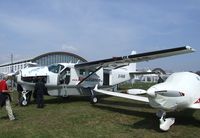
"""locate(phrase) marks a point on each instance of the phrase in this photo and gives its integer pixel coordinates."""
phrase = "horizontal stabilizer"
(122, 95)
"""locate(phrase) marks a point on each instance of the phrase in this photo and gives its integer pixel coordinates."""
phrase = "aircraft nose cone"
(151, 91)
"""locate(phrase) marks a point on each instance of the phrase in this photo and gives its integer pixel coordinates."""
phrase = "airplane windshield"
(55, 68)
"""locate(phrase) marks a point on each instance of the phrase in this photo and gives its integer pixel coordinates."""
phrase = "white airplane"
(180, 91)
(65, 79)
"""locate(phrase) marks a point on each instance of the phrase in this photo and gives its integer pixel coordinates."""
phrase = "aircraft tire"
(94, 100)
(23, 102)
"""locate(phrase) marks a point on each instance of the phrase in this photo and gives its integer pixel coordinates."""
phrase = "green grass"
(111, 117)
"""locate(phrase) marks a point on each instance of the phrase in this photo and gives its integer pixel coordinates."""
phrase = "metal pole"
(12, 63)
(12, 82)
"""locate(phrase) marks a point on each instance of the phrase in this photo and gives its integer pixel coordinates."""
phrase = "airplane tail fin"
(132, 66)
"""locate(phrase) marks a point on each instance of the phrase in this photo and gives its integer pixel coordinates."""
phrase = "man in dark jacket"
(19, 90)
(39, 91)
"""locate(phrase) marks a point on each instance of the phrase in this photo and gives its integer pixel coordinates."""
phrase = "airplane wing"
(125, 60)
(122, 95)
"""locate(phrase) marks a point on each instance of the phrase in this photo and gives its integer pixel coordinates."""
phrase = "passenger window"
(82, 72)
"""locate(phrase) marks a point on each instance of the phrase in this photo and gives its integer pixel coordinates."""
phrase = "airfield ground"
(111, 118)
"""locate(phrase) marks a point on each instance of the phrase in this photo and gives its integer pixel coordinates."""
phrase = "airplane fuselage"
(59, 77)
(181, 90)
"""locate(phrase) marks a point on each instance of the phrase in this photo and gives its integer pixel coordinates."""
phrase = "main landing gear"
(165, 123)
(93, 98)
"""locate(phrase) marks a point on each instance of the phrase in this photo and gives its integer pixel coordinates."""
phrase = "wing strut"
(89, 75)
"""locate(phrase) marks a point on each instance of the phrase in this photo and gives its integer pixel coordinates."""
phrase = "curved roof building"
(42, 60)
(57, 57)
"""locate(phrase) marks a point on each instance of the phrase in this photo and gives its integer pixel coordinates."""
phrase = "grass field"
(111, 118)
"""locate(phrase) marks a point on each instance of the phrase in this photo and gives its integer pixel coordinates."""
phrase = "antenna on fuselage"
(78, 62)
(132, 66)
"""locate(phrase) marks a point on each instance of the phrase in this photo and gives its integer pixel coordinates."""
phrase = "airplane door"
(64, 77)
(106, 78)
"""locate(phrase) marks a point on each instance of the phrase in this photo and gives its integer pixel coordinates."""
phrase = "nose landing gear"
(165, 123)
(25, 99)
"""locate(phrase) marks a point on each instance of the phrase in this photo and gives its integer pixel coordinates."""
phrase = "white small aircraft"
(180, 91)
(65, 79)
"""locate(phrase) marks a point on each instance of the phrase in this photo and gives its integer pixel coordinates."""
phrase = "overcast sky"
(98, 29)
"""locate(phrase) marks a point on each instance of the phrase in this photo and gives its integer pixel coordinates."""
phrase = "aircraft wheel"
(23, 102)
(94, 100)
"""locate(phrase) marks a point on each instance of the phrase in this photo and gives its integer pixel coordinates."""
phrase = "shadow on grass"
(124, 103)
(149, 120)
(69, 99)
(59, 100)
(185, 117)
(4, 118)
(150, 123)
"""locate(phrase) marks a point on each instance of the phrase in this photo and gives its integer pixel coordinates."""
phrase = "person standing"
(5, 97)
(160, 79)
(19, 90)
(39, 91)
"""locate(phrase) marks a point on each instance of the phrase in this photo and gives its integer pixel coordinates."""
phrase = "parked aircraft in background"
(180, 90)
(65, 79)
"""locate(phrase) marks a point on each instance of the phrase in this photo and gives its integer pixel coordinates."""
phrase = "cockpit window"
(55, 68)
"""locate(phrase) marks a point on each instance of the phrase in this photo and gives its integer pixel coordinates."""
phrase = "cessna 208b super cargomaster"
(65, 79)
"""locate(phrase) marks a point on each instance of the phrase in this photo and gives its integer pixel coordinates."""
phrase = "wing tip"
(190, 48)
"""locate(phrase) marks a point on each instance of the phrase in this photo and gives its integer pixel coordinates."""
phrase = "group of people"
(5, 98)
